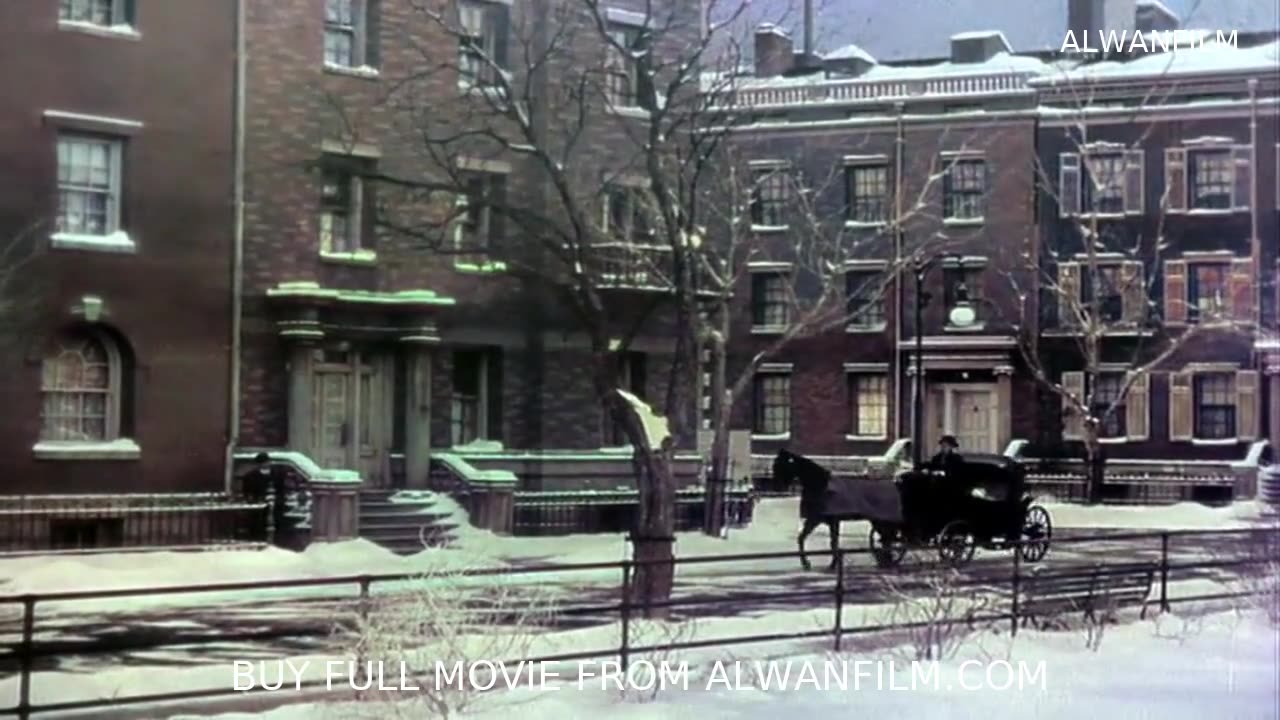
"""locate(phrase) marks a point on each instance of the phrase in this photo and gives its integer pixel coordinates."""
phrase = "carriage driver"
(947, 459)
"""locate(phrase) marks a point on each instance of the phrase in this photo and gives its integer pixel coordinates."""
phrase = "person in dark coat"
(947, 460)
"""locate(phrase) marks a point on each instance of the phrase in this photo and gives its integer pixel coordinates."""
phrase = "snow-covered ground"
(773, 530)
(1221, 666)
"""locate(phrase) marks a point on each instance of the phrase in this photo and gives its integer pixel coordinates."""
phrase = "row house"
(366, 347)
(116, 237)
(1170, 165)
(1003, 161)
(930, 162)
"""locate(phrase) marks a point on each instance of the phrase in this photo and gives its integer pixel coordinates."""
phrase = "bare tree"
(1100, 280)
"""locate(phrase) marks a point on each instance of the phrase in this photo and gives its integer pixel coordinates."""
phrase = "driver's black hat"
(949, 441)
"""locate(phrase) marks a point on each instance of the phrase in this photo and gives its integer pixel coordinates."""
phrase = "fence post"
(1164, 572)
(362, 613)
(624, 651)
(839, 628)
(1017, 588)
(24, 656)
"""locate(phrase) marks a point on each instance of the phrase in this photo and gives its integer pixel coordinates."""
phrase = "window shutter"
(373, 33)
(1068, 294)
(1240, 289)
(1175, 291)
(1243, 177)
(501, 33)
(1181, 406)
(1137, 407)
(1247, 405)
(1072, 421)
(493, 392)
(1134, 190)
(1068, 184)
(1175, 179)
(1134, 298)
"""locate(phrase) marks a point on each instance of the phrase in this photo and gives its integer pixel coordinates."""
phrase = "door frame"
(370, 459)
(948, 426)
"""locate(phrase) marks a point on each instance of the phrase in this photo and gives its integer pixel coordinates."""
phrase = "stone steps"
(404, 527)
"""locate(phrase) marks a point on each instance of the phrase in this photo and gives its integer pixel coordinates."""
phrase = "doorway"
(969, 412)
(350, 413)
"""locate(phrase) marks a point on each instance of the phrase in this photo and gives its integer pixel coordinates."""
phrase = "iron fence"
(613, 511)
(28, 652)
(76, 523)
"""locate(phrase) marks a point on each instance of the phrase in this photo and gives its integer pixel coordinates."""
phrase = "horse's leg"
(833, 527)
(809, 525)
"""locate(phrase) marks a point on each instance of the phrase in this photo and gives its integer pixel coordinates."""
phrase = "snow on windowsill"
(481, 267)
(118, 241)
(962, 222)
(630, 111)
(769, 228)
(974, 328)
(359, 257)
(361, 71)
(768, 329)
(866, 438)
(121, 449)
(774, 437)
(1220, 443)
(864, 225)
(866, 329)
(1113, 440)
(1213, 212)
(121, 31)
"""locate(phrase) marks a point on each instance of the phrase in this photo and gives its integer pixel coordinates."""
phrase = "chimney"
(773, 51)
(977, 47)
(808, 29)
(1095, 18)
(1155, 16)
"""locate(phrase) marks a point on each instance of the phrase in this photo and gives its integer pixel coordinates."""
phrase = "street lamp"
(961, 316)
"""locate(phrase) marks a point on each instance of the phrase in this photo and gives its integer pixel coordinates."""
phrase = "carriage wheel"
(888, 549)
(956, 543)
(1037, 530)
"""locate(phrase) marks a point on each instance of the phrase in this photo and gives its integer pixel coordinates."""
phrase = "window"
(1207, 291)
(106, 13)
(1215, 406)
(1104, 183)
(482, 42)
(631, 376)
(478, 223)
(625, 215)
(351, 33)
(470, 397)
(867, 189)
(772, 404)
(769, 193)
(1106, 392)
(1109, 292)
(964, 189)
(88, 185)
(80, 390)
(340, 208)
(770, 305)
(624, 70)
(1211, 179)
(870, 400)
(865, 296)
(962, 283)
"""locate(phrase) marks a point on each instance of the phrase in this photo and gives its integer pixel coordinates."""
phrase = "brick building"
(991, 125)
(118, 185)
(366, 346)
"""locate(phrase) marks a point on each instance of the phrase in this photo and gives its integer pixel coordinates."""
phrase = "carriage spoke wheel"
(956, 543)
(1037, 531)
(887, 548)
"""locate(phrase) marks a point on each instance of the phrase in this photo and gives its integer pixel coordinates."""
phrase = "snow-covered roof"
(1212, 57)
(997, 64)
(982, 35)
(1159, 7)
(849, 52)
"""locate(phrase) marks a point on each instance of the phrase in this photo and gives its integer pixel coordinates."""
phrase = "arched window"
(80, 389)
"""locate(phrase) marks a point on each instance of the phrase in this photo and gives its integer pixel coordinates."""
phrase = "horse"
(814, 480)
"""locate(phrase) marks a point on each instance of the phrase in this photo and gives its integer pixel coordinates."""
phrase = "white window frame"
(112, 446)
(780, 270)
(761, 170)
(481, 400)
(358, 32)
(853, 373)
(771, 370)
(463, 233)
(488, 43)
(1197, 372)
(113, 238)
(119, 23)
(355, 246)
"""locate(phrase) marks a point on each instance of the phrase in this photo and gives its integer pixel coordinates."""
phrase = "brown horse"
(788, 467)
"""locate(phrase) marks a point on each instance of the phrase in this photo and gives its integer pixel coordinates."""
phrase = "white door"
(972, 419)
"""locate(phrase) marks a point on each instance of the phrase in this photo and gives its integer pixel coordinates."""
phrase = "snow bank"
(1182, 516)
(1220, 666)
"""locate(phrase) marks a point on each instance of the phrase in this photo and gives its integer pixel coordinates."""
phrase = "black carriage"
(979, 502)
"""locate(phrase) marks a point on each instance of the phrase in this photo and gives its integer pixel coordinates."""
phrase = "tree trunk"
(1095, 463)
(718, 474)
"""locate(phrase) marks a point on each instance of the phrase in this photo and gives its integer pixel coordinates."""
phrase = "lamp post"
(961, 316)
